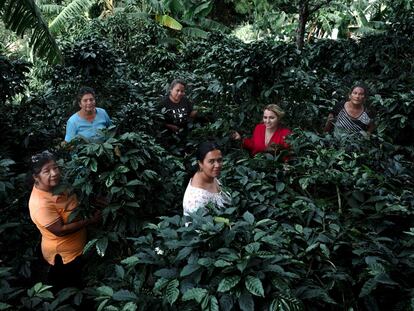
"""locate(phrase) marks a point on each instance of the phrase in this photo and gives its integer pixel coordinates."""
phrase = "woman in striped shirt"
(351, 116)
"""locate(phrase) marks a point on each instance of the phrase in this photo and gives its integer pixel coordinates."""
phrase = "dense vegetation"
(332, 229)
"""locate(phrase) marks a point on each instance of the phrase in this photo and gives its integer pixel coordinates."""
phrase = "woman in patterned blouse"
(204, 187)
(351, 116)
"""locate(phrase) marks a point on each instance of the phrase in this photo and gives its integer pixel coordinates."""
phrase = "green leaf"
(264, 222)
(358, 195)
(22, 15)
(120, 271)
(324, 249)
(222, 263)
(102, 304)
(196, 294)
(134, 182)
(383, 278)
(252, 247)
(105, 291)
(195, 32)
(168, 21)
(130, 261)
(101, 246)
(206, 262)
(221, 220)
(130, 306)
(228, 283)
(4, 306)
(203, 9)
(246, 302)
(312, 247)
(214, 306)
(45, 295)
(124, 295)
(188, 269)
(280, 186)
(93, 165)
(183, 253)
(74, 9)
(248, 217)
(254, 285)
(171, 291)
(368, 287)
(109, 181)
(166, 273)
(160, 284)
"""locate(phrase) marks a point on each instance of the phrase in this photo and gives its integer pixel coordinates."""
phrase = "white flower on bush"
(159, 251)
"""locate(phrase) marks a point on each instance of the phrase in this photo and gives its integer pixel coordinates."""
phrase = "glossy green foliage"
(331, 229)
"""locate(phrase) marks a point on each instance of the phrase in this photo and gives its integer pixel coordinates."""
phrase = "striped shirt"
(348, 123)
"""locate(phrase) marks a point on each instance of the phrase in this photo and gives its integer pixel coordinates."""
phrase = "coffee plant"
(329, 229)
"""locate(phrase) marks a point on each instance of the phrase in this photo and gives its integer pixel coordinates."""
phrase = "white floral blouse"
(194, 198)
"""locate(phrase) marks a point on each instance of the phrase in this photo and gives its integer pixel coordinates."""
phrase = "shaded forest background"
(330, 230)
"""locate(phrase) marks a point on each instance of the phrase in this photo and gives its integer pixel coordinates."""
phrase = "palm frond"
(195, 32)
(51, 8)
(22, 15)
(168, 21)
(210, 24)
(73, 10)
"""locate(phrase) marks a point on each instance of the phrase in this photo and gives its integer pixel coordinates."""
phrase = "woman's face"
(177, 93)
(87, 104)
(270, 119)
(357, 96)
(212, 163)
(48, 177)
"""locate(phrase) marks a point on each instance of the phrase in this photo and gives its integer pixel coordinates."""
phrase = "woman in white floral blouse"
(204, 187)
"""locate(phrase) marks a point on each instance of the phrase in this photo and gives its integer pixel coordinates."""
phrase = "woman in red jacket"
(268, 136)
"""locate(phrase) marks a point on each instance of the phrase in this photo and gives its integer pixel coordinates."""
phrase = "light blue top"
(77, 126)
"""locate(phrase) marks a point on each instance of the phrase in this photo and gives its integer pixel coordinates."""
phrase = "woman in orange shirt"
(62, 240)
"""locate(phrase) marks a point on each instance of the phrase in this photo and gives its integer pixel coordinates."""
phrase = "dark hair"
(201, 152)
(362, 86)
(175, 82)
(37, 161)
(83, 91)
(204, 148)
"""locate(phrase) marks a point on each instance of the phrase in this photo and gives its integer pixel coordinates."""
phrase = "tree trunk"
(303, 19)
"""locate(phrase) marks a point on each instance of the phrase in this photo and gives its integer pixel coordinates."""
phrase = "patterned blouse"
(344, 121)
(194, 198)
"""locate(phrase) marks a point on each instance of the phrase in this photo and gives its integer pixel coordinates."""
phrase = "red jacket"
(256, 144)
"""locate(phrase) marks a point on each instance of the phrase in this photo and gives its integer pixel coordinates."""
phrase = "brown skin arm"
(193, 114)
(273, 148)
(172, 127)
(371, 128)
(60, 229)
(329, 123)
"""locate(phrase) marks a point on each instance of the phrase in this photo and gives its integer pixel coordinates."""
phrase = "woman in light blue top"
(89, 120)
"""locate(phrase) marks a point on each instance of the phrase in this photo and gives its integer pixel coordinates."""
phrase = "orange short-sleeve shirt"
(45, 209)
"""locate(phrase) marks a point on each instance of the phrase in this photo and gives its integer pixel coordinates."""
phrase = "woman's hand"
(58, 228)
(96, 217)
(273, 147)
(329, 123)
(173, 128)
(235, 135)
(100, 201)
